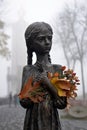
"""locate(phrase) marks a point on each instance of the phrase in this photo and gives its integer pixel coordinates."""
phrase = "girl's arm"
(25, 103)
(59, 102)
(46, 82)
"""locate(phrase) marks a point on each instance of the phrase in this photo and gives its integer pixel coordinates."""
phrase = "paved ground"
(11, 118)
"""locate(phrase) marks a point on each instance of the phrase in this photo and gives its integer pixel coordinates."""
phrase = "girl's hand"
(42, 73)
(40, 77)
(39, 67)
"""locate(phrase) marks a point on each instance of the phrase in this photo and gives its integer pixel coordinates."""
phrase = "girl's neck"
(43, 59)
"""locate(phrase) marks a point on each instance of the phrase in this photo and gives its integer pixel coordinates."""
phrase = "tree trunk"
(82, 76)
(73, 66)
(66, 57)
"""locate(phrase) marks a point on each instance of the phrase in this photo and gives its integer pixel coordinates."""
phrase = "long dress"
(43, 115)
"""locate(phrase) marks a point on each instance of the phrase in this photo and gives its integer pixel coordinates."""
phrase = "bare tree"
(72, 31)
(4, 50)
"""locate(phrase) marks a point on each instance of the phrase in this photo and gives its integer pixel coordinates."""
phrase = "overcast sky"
(33, 10)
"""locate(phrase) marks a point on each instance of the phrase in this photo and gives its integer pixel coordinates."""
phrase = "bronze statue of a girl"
(43, 114)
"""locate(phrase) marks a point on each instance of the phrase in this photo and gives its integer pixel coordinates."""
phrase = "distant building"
(18, 53)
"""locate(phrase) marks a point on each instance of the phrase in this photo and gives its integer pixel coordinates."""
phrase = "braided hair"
(31, 32)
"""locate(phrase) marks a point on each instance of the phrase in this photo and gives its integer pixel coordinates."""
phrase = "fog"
(17, 15)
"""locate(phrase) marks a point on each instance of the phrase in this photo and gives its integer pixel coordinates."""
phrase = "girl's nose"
(47, 41)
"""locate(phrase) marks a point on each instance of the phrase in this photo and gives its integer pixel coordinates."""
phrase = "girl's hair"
(31, 32)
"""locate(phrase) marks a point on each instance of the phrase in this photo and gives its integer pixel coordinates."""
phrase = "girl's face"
(42, 42)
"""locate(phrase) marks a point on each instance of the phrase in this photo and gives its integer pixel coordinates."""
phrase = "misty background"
(68, 19)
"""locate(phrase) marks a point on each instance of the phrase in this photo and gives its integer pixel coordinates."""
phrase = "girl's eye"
(40, 38)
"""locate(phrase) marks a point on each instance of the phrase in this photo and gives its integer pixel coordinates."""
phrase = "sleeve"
(25, 75)
(60, 103)
(25, 103)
